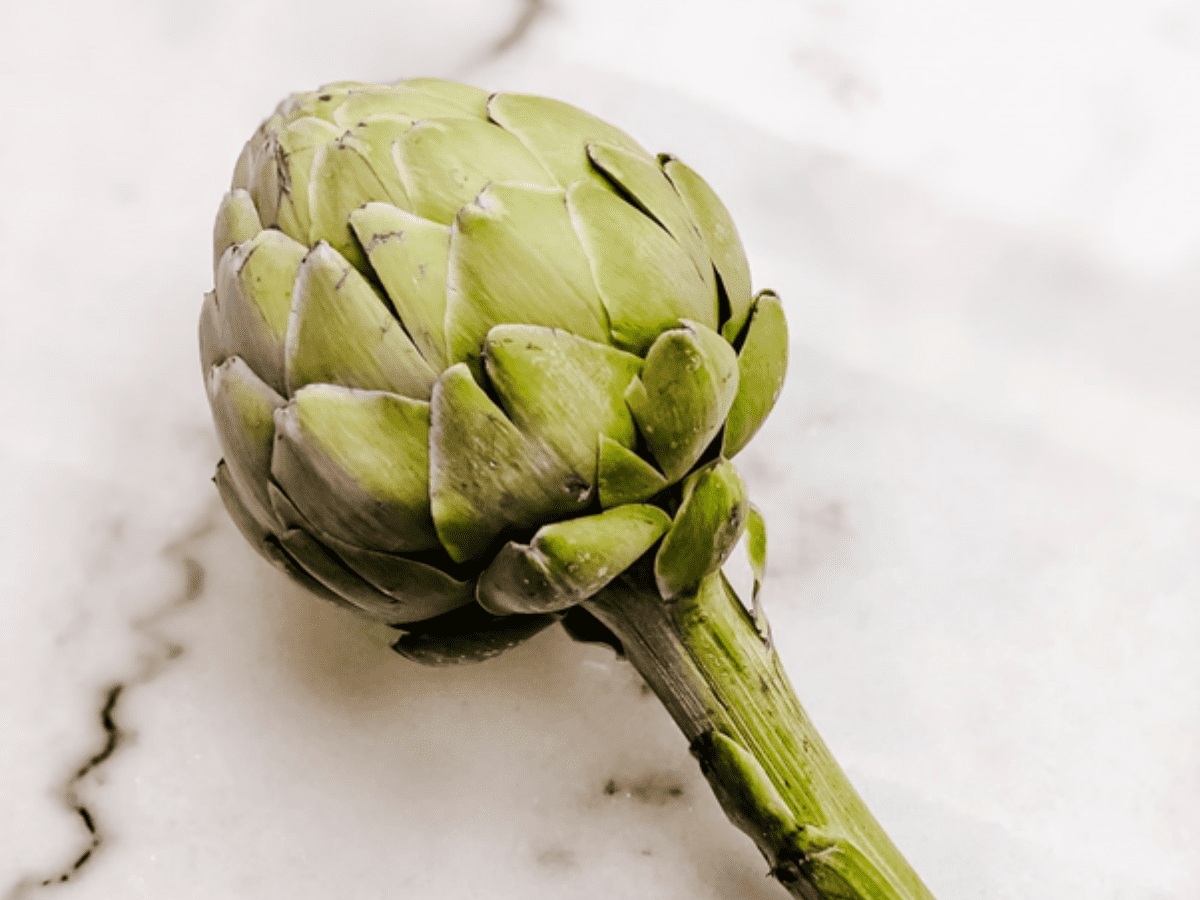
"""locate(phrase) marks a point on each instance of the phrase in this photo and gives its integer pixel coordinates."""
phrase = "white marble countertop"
(981, 483)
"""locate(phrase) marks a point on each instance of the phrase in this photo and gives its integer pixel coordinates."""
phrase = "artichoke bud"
(471, 357)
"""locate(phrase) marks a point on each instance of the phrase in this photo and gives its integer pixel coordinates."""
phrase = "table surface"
(981, 481)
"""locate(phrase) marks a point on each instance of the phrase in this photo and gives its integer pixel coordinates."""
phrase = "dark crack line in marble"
(112, 740)
(152, 666)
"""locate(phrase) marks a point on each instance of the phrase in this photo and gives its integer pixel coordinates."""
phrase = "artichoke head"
(471, 356)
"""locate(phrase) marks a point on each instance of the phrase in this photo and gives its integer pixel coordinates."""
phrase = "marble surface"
(981, 482)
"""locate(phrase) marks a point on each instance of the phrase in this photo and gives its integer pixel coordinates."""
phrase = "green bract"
(471, 356)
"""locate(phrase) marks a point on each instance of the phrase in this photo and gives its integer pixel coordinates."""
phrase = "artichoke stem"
(773, 775)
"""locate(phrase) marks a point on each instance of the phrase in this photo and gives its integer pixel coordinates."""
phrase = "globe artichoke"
(478, 363)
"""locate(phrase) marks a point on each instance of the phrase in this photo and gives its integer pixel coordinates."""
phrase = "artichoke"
(478, 363)
(461, 350)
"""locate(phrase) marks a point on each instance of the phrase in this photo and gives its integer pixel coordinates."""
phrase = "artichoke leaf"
(355, 464)
(323, 103)
(569, 561)
(376, 139)
(643, 181)
(254, 296)
(514, 258)
(756, 554)
(240, 181)
(562, 390)
(263, 539)
(409, 255)
(486, 476)
(426, 98)
(623, 476)
(468, 634)
(421, 590)
(286, 512)
(712, 515)
(340, 332)
(445, 163)
(557, 133)
(680, 401)
(360, 104)
(645, 279)
(212, 334)
(755, 804)
(325, 567)
(305, 544)
(347, 173)
(346, 103)
(254, 522)
(720, 234)
(762, 365)
(296, 147)
(237, 221)
(261, 175)
(518, 581)
(243, 408)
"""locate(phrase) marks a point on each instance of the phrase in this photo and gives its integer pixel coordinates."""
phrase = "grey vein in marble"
(161, 651)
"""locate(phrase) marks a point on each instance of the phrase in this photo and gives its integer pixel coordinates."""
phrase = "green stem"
(773, 775)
